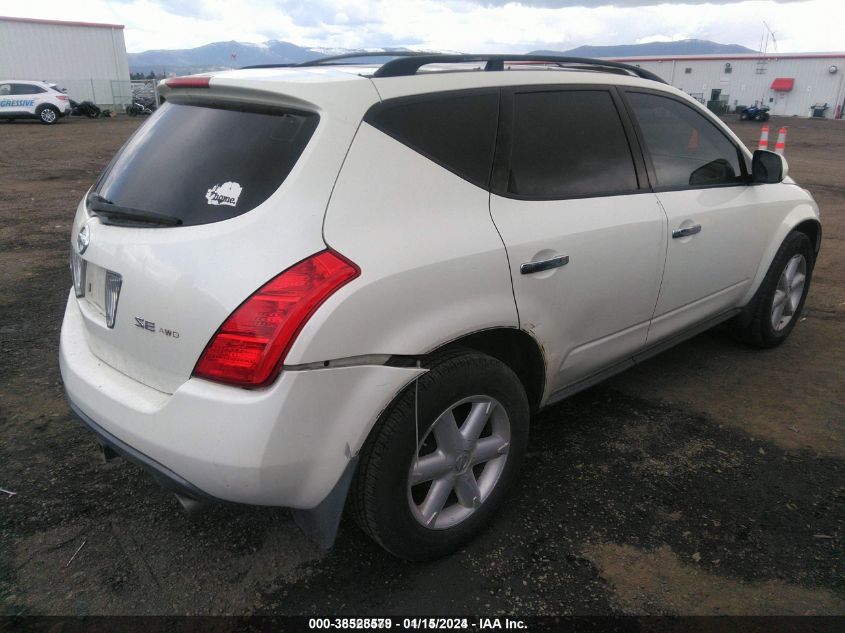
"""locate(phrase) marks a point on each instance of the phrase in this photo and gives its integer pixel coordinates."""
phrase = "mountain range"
(680, 47)
(220, 55)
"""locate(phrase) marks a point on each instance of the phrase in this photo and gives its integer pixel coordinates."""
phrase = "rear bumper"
(287, 445)
(163, 475)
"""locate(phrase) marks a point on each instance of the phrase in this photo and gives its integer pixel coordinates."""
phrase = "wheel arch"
(515, 348)
(813, 229)
(803, 218)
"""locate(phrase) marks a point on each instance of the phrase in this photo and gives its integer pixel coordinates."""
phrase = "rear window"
(206, 164)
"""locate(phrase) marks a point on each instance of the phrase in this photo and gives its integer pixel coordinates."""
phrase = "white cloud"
(648, 39)
(466, 25)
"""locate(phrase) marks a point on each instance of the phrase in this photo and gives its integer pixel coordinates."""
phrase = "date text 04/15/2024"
(411, 624)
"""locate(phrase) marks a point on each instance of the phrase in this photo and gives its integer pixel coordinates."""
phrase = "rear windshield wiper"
(102, 206)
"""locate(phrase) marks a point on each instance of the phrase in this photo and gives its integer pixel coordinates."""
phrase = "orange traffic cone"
(780, 146)
(693, 140)
(764, 138)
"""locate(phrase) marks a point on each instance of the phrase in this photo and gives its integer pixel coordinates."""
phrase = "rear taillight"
(249, 348)
(61, 97)
(77, 271)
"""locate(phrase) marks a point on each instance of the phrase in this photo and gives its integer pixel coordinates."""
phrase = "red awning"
(783, 84)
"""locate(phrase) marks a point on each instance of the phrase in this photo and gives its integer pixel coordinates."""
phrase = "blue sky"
(459, 25)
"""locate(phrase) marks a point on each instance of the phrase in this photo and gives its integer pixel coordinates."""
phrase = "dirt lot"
(710, 480)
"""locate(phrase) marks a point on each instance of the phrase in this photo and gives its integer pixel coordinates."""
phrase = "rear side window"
(457, 131)
(686, 149)
(27, 89)
(568, 144)
(206, 164)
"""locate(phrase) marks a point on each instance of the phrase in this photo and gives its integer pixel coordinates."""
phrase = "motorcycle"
(755, 113)
(84, 108)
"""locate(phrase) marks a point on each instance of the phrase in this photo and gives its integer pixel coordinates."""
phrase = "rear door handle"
(546, 264)
(687, 230)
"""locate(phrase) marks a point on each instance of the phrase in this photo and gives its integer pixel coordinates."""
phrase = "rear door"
(585, 236)
(28, 96)
(718, 223)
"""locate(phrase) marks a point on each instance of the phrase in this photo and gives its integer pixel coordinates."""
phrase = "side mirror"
(768, 167)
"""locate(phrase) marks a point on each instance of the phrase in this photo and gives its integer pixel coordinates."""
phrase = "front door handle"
(687, 230)
(546, 264)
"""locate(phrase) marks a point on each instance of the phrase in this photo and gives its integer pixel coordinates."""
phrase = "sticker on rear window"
(227, 193)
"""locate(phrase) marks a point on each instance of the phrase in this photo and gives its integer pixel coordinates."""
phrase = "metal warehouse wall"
(89, 60)
(751, 77)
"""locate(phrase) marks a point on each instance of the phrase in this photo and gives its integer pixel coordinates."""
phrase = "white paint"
(433, 267)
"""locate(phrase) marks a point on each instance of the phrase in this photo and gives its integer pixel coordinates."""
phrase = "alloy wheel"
(458, 462)
(788, 292)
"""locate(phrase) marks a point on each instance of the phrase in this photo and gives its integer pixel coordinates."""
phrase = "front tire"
(429, 483)
(777, 306)
(743, 116)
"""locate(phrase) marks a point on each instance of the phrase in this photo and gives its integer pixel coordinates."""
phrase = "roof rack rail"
(409, 64)
(406, 63)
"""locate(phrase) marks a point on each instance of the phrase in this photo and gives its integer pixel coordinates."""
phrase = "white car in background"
(344, 279)
(21, 99)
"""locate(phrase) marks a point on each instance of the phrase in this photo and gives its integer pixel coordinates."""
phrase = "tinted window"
(205, 164)
(5, 89)
(456, 131)
(26, 89)
(686, 149)
(568, 144)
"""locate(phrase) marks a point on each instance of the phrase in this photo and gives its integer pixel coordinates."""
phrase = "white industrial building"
(87, 59)
(790, 84)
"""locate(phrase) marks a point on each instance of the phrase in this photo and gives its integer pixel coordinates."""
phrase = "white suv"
(295, 285)
(32, 100)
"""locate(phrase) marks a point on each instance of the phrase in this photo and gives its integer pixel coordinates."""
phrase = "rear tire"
(743, 116)
(48, 115)
(424, 495)
(776, 307)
